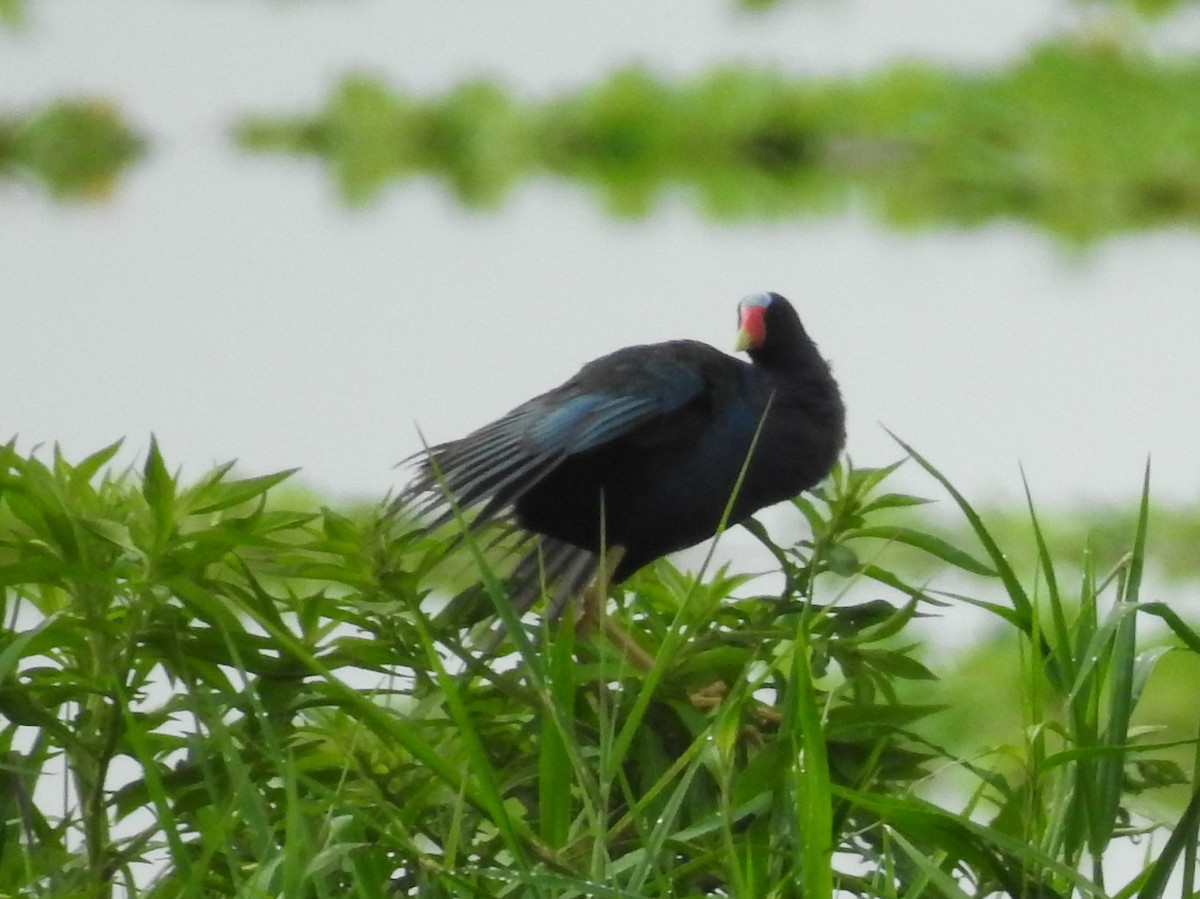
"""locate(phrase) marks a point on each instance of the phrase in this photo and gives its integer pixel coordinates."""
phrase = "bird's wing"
(493, 467)
(605, 401)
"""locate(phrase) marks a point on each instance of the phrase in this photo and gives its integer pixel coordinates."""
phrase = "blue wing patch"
(587, 420)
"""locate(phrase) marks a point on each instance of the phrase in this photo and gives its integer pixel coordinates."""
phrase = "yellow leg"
(596, 593)
(628, 647)
(592, 615)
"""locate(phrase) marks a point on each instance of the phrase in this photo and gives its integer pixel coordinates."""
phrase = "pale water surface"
(230, 305)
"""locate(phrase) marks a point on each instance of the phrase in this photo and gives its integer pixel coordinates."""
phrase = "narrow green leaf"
(14, 649)
(155, 788)
(664, 827)
(158, 487)
(815, 521)
(1120, 679)
(1016, 593)
(1097, 751)
(880, 620)
(480, 772)
(1161, 610)
(114, 532)
(893, 501)
(1137, 561)
(861, 481)
(1184, 837)
(235, 493)
(895, 663)
(883, 576)
(554, 765)
(1062, 658)
(935, 546)
(87, 469)
(943, 882)
(814, 812)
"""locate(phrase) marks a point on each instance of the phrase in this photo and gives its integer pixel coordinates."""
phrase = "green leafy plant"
(76, 148)
(205, 692)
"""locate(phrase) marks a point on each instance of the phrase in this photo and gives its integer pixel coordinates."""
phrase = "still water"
(230, 305)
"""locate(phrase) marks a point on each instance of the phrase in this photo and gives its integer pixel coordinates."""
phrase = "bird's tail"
(452, 483)
(551, 569)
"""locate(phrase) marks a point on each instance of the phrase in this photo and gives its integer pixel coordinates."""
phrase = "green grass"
(205, 691)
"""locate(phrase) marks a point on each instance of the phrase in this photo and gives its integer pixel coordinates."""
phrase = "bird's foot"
(708, 698)
(593, 618)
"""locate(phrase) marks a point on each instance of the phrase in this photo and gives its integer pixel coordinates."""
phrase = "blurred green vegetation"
(12, 12)
(74, 148)
(1091, 533)
(1147, 8)
(1080, 138)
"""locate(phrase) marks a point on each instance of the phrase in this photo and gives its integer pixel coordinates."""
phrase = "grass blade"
(814, 814)
(1016, 593)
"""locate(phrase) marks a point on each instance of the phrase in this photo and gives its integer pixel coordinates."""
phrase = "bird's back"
(666, 484)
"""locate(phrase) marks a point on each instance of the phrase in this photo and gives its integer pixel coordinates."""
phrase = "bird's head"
(764, 319)
(752, 326)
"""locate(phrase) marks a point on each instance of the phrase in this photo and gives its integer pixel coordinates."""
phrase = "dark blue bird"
(649, 441)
